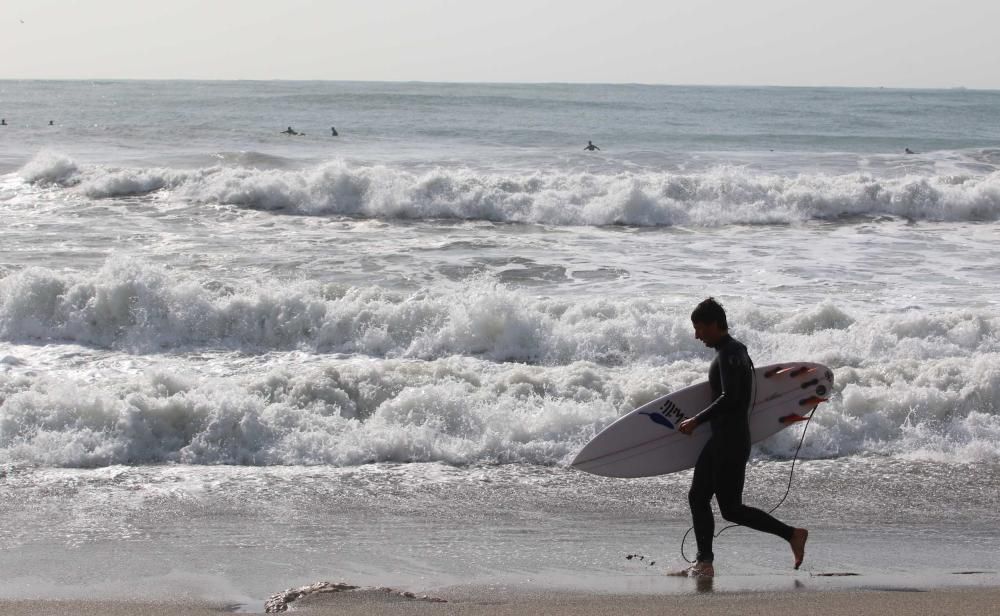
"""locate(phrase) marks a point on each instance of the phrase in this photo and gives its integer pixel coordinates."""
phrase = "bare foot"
(798, 543)
(697, 570)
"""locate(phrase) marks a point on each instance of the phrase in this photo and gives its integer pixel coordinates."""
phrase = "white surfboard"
(646, 442)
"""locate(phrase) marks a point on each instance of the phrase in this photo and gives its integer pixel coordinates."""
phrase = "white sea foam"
(136, 306)
(387, 411)
(49, 168)
(723, 195)
(476, 372)
(457, 411)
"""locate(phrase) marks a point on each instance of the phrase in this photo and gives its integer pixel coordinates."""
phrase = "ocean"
(234, 360)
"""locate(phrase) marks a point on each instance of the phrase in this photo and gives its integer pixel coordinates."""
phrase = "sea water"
(234, 360)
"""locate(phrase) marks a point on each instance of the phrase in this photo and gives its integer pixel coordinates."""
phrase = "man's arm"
(732, 370)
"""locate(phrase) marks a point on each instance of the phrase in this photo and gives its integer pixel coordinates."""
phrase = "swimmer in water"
(591, 147)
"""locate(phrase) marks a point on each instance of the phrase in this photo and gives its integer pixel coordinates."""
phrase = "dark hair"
(710, 311)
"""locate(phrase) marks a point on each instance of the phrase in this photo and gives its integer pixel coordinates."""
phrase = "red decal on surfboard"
(790, 419)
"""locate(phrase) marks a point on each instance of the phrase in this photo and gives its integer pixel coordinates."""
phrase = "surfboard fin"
(790, 419)
(778, 371)
(812, 401)
(791, 370)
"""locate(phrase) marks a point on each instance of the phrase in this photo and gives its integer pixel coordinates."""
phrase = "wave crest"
(720, 196)
(459, 411)
(132, 305)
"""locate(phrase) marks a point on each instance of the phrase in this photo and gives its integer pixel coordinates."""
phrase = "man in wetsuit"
(721, 467)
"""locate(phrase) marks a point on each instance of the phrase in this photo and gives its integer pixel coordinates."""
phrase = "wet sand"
(109, 608)
(900, 602)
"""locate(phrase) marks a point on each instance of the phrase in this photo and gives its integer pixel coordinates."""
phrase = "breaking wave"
(475, 373)
(133, 306)
(458, 411)
(724, 195)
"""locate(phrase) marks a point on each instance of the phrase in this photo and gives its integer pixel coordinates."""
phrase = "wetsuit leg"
(700, 499)
(729, 478)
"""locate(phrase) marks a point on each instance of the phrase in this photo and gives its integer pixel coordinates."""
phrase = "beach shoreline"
(472, 602)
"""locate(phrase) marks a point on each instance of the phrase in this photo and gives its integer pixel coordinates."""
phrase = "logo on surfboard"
(667, 415)
(659, 419)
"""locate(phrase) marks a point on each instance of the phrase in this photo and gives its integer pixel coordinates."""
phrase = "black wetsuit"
(721, 467)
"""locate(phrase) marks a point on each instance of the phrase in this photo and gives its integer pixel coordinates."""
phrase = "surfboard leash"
(788, 488)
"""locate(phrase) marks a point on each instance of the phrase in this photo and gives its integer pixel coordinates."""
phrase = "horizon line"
(511, 83)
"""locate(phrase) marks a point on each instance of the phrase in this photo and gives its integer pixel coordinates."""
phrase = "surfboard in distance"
(646, 442)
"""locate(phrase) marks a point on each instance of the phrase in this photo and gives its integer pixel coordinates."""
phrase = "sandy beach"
(980, 601)
(909, 602)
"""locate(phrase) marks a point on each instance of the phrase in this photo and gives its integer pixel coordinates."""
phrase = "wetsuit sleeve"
(732, 372)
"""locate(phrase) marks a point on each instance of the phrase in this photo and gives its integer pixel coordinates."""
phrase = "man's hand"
(687, 426)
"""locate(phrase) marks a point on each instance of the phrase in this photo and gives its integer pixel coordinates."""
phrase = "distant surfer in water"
(721, 467)
(3, 122)
(333, 132)
(289, 131)
(591, 147)
(908, 151)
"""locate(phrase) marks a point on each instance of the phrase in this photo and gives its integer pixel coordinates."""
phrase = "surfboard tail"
(645, 442)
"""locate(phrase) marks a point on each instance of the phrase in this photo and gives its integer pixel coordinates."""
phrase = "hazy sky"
(906, 43)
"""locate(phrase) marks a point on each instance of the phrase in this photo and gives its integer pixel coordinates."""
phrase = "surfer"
(3, 122)
(333, 132)
(591, 147)
(908, 151)
(289, 131)
(721, 466)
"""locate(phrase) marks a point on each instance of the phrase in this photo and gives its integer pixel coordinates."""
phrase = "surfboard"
(645, 442)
